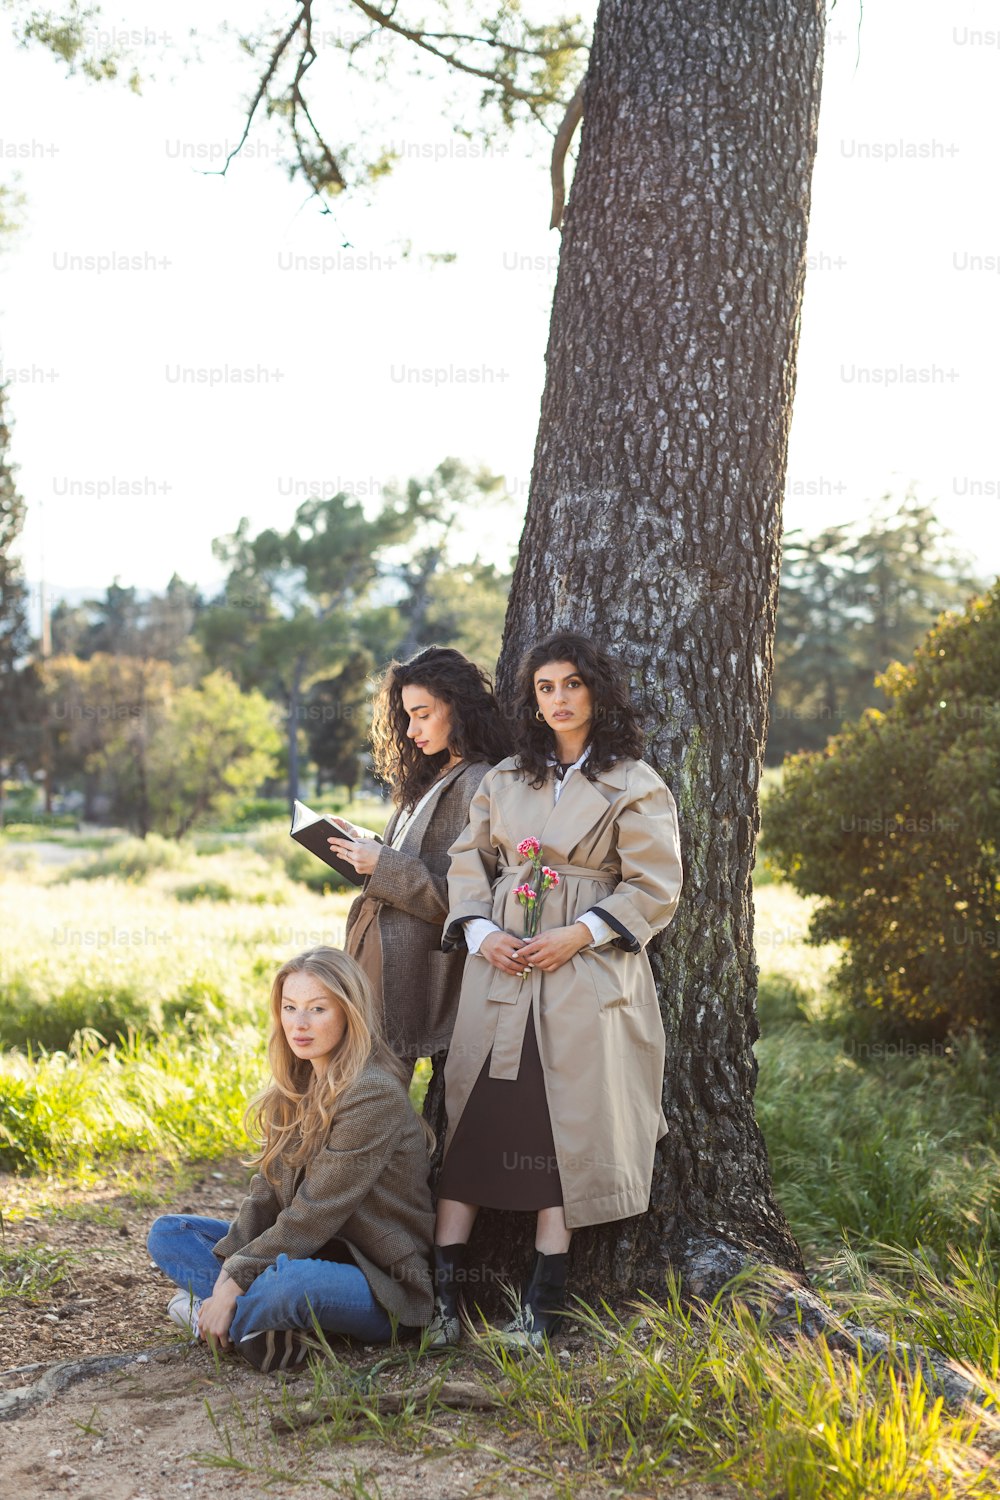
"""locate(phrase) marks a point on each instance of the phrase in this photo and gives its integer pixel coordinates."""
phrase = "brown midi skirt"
(503, 1154)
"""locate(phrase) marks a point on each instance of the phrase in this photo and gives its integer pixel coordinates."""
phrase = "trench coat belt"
(368, 955)
(370, 909)
(585, 872)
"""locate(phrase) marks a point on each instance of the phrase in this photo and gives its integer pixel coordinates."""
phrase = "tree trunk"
(294, 708)
(419, 602)
(90, 790)
(141, 746)
(654, 525)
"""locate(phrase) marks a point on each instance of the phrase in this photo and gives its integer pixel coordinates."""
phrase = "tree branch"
(420, 39)
(564, 135)
(276, 57)
(323, 172)
(306, 59)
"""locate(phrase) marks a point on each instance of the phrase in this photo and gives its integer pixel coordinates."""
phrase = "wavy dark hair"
(615, 733)
(478, 731)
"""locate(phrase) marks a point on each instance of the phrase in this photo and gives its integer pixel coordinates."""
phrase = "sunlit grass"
(31, 1272)
(148, 954)
(169, 1095)
(658, 1394)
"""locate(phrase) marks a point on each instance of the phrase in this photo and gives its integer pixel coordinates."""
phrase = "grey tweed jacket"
(366, 1191)
(407, 893)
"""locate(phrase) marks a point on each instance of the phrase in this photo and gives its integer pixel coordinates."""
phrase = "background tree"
(213, 748)
(853, 599)
(168, 626)
(287, 612)
(20, 687)
(103, 715)
(896, 826)
(508, 67)
(337, 718)
(127, 623)
(445, 497)
(71, 34)
(466, 609)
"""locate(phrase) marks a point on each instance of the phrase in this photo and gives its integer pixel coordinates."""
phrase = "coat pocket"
(444, 981)
(616, 979)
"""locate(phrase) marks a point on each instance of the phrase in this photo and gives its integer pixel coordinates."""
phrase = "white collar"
(553, 761)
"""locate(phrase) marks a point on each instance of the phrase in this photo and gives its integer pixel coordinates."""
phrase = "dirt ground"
(168, 1420)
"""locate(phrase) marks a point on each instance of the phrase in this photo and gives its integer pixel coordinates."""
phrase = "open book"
(312, 829)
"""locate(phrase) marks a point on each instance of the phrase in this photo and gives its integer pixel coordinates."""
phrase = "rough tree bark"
(654, 524)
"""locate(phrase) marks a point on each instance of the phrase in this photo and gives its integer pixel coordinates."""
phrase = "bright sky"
(897, 379)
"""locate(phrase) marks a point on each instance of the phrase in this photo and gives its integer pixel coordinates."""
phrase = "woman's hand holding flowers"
(503, 951)
(550, 950)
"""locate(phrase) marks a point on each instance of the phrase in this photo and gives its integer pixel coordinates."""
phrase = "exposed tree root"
(64, 1373)
(460, 1395)
(792, 1309)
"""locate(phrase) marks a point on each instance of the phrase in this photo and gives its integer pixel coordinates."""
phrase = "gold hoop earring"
(539, 715)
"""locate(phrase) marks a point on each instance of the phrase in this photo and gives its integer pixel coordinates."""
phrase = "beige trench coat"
(616, 847)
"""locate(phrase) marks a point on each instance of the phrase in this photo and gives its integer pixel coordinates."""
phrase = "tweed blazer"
(406, 897)
(366, 1189)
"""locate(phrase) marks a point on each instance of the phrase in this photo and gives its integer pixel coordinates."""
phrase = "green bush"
(308, 869)
(109, 1012)
(113, 1012)
(167, 1095)
(23, 1137)
(205, 890)
(896, 826)
(255, 810)
(132, 859)
(34, 825)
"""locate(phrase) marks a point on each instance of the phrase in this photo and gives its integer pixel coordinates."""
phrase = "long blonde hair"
(292, 1117)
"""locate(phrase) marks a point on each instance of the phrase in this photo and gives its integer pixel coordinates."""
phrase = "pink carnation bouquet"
(532, 896)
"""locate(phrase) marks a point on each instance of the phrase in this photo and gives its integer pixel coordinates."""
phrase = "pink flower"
(524, 893)
(529, 848)
(549, 877)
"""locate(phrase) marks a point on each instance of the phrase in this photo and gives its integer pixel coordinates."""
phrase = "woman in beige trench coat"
(555, 1072)
(436, 731)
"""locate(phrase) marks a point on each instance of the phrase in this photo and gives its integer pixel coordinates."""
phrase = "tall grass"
(671, 1391)
(173, 1096)
(881, 1149)
(150, 950)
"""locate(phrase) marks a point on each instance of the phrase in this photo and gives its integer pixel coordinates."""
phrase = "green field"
(134, 984)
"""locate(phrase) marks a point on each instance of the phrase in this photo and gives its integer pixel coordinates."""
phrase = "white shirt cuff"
(476, 929)
(603, 931)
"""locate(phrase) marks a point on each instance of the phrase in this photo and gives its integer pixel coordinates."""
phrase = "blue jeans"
(289, 1294)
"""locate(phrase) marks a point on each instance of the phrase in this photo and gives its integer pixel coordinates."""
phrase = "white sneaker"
(183, 1310)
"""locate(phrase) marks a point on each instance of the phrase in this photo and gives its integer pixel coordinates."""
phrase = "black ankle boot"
(448, 1272)
(543, 1300)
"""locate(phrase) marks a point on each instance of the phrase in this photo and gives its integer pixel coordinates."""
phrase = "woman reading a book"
(335, 1230)
(436, 731)
(554, 1082)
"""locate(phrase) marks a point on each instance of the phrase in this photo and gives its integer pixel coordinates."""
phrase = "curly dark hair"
(615, 733)
(478, 730)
